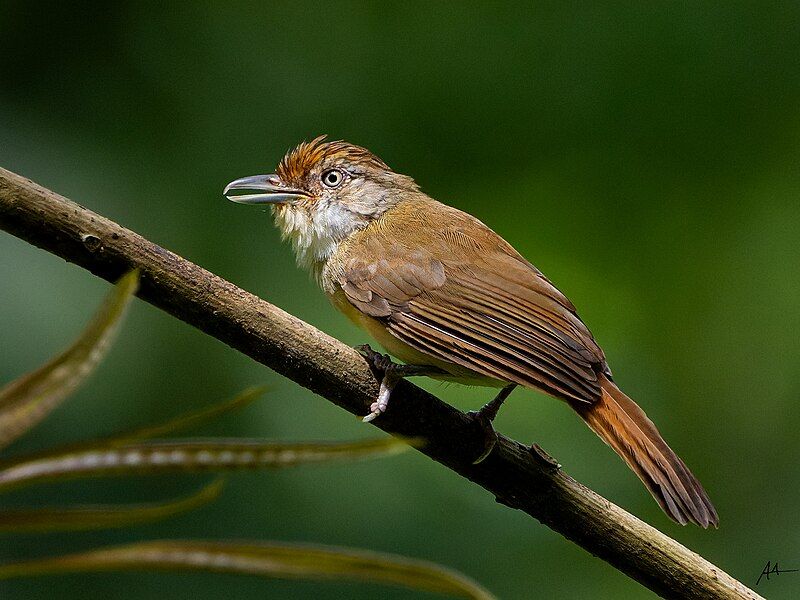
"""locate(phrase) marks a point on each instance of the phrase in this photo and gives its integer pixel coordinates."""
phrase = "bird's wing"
(498, 315)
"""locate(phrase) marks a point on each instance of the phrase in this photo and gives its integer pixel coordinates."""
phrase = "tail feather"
(621, 424)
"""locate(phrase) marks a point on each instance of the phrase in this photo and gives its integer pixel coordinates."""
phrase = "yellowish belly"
(406, 353)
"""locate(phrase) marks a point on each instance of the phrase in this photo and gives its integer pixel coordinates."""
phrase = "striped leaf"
(273, 560)
(102, 516)
(186, 421)
(215, 454)
(29, 399)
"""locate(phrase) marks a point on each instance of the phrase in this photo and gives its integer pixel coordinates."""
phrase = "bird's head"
(321, 193)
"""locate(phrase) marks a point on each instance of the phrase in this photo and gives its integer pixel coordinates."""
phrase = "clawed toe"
(370, 417)
(382, 362)
(364, 350)
(378, 407)
(375, 410)
(488, 433)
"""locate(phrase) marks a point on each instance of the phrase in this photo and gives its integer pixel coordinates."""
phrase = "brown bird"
(452, 299)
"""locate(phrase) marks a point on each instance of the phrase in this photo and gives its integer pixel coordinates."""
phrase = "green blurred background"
(644, 156)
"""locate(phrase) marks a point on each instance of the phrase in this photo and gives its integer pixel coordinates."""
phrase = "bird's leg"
(392, 373)
(484, 418)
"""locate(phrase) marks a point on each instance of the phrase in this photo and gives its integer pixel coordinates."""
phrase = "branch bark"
(518, 476)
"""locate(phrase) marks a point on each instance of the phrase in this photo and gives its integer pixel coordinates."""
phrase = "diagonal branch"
(516, 475)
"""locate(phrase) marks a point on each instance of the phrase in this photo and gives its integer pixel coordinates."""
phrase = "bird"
(442, 292)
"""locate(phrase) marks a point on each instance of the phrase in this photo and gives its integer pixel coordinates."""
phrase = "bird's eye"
(333, 178)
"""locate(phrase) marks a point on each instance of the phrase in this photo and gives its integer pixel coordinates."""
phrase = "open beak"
(264, 189)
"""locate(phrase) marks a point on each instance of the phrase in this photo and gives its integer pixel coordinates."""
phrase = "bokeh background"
(644, 156)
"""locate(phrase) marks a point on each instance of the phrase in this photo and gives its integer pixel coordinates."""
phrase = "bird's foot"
(488, 434)
(378, 407)
(392, 373)
(483, 419)
(380, 362)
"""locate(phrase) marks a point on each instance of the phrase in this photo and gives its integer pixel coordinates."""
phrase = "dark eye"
(333, 178)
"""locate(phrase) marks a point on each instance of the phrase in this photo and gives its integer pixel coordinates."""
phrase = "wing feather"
(498, 316)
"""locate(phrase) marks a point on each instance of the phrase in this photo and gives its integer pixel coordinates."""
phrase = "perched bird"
(452, 299)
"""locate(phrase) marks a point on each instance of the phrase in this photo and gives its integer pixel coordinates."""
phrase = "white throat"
(315, 239)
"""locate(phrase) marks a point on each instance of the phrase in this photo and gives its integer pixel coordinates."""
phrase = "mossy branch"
(517, 476)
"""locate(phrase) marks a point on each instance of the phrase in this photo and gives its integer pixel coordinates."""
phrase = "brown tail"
(621, 424)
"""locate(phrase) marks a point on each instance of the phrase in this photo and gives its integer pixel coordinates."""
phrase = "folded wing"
(497, 315)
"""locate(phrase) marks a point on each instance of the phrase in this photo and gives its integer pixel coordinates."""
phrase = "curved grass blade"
(217, 454)
(285, 561)
(29, 399)
(83, 518)
(185, 421)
